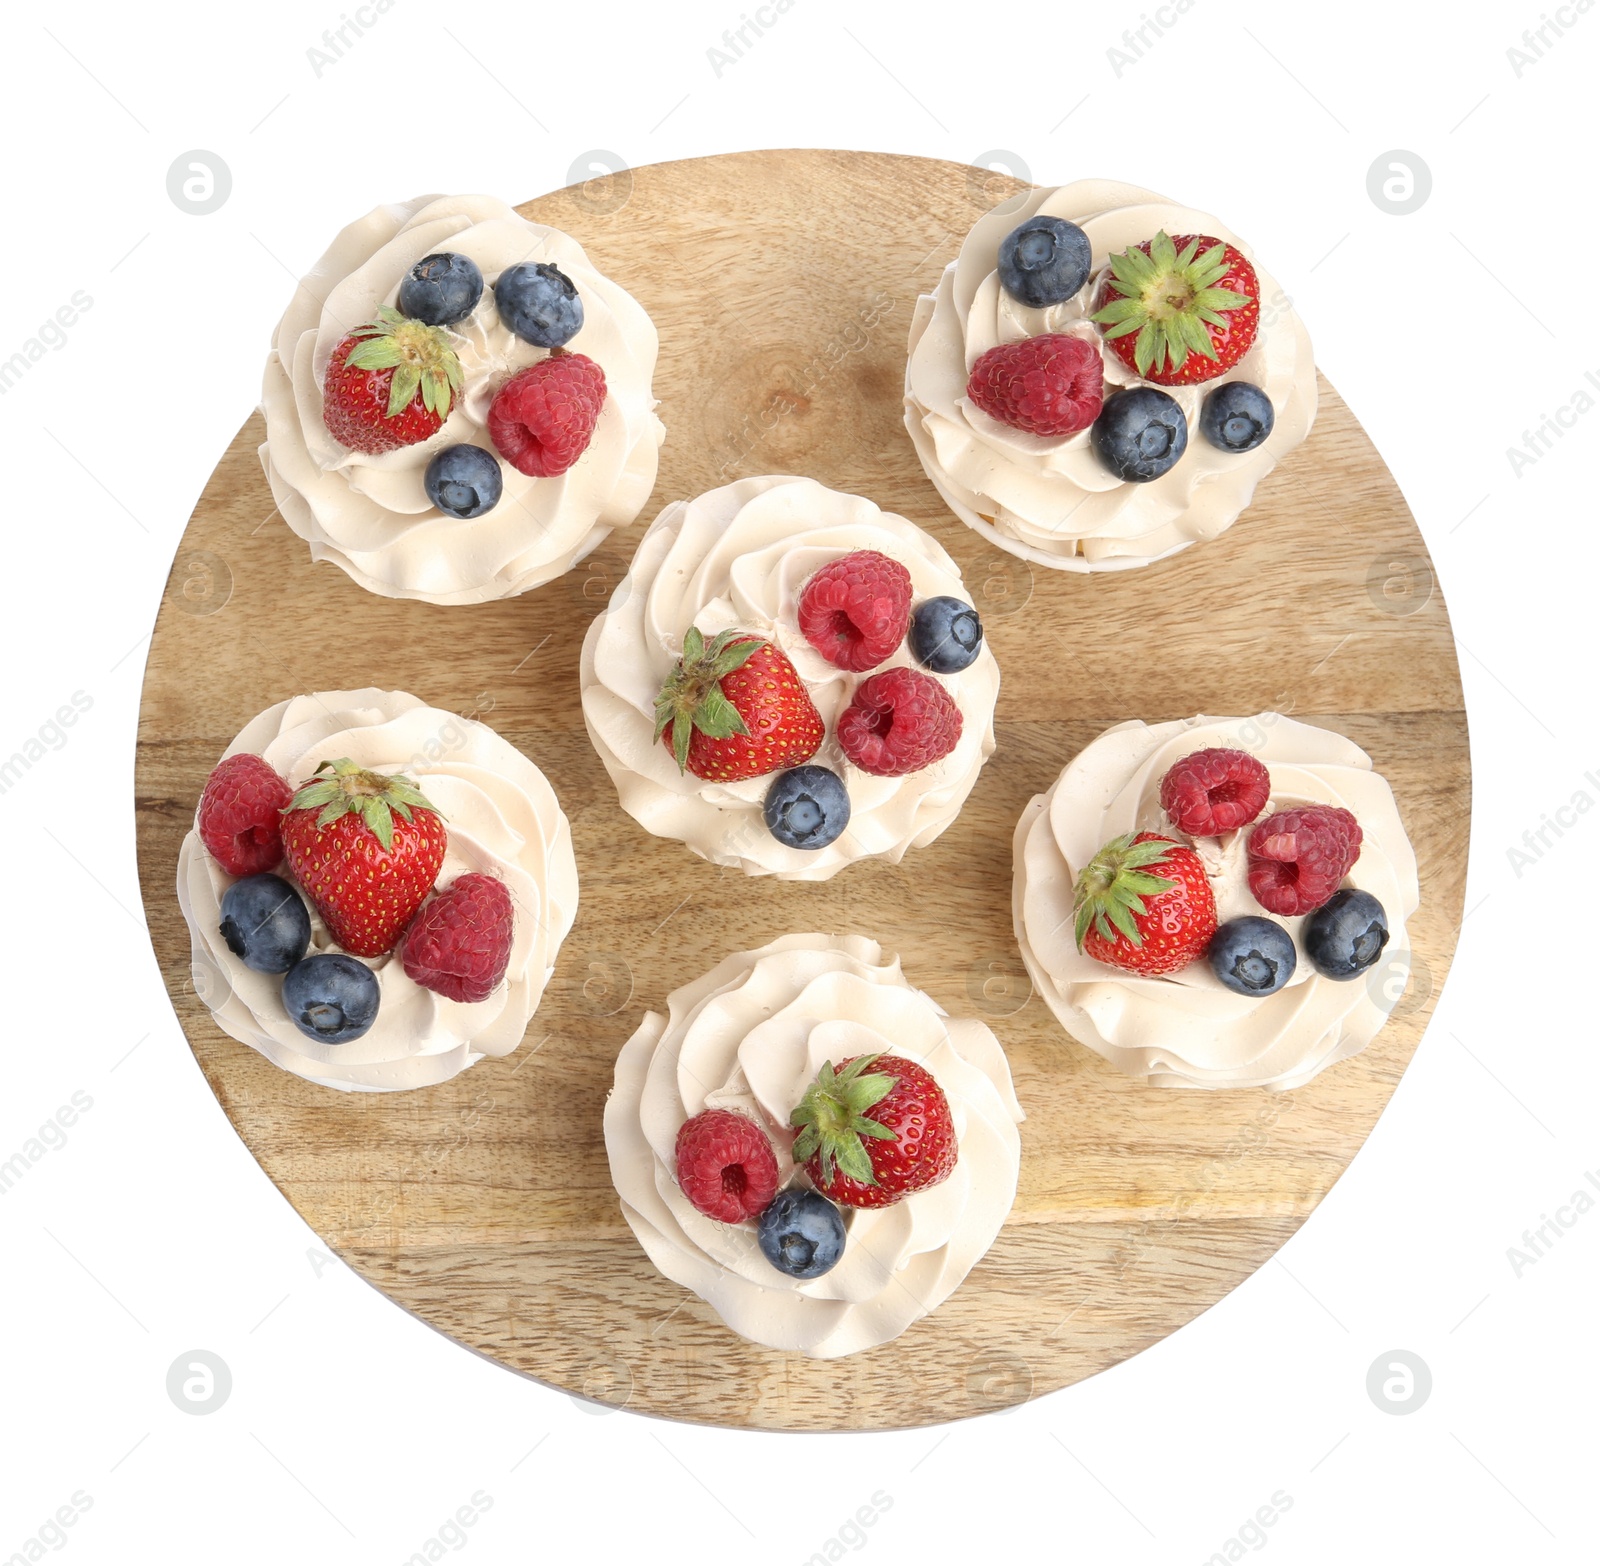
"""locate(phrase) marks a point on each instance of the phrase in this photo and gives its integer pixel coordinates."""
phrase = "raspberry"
(542, 420)
(1049, 385)
(240, 811)
(899, 721)
(855, 610)
(726, 1165)
(1299, 857)
(1213, 791)
(459, 944)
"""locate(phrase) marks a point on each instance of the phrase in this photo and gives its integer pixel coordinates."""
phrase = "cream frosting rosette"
(1186, 1029)
(503, 820)
(370, 515)
(738, 557)
(1051, 500)
(750, 1036)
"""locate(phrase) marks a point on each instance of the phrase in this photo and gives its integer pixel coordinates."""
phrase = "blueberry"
(463, 481)
(807, 807)
(331, 997)
(539, 303)
(801, 1232)
(1252, 956)
(1236, 416)
(1140, 434)
(1044, 261)
(946, 635)
(1346, 935)
(441, 290)
(265, 923)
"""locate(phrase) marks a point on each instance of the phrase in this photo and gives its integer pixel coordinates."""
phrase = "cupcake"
(790, 679)
(1102, 377)
(731, 1136)
(458, 405)
(1216, 902)
(375, 890)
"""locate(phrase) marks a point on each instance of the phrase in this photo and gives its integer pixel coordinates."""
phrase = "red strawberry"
(726, 1166)
(1181, 310)
(899, 721)
(1047, 385)
(542, 420)
(239, 815)
(1297, 858)
(907, 1143)
(1214, 791)
(389, 384)
(1132, 917)
(366, 850)
(855, 610)
(735, 708)
(459, 944)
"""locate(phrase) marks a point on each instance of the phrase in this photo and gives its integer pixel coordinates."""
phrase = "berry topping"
(441, 289)
(542, 420)
(389, 384)
(726, 1166)
(1140, 434)
(735, 708)
(331, 998)
(1179, 310)
(807, 807)
(1044, 261)
(1048, 385)
(946, 635)
(1210, 792)
(1297, 858)
(1252, 956)
(265, 924)
(899, 721)
(1346, 935)
(463, 481)
(459, 944)
(874, 1131)
(366, 849)
(1236, 416)
(854, 611)
(240, 813)
(801, 1233)
(1143, 903)
(539, 303)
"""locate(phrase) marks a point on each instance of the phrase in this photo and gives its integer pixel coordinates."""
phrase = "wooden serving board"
(782, 284)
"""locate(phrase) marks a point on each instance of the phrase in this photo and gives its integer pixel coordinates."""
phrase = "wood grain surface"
(782, 284)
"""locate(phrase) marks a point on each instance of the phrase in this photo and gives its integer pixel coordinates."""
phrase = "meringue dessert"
(790, 679)
(458, 405)
(1217, 902)
(375, 890)
(1102, 377)
(730, 1136)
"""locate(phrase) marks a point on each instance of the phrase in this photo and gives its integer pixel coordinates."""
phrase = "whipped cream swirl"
(1187, 1029)
(738, 557)
(503, 820)
(750, 1036)
(370, 515)
(1051, 500)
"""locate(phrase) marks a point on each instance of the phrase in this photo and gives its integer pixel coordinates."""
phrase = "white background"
(354, 1432)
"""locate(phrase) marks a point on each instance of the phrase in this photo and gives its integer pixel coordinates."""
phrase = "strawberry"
(459, 945)
(907, 1144)
(366, 850)
(1180, 310)
(239, 815)
(735, 708)
(1131, 918)
(389, 384)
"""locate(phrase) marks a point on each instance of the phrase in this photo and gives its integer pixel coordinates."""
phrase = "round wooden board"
(782, 284)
